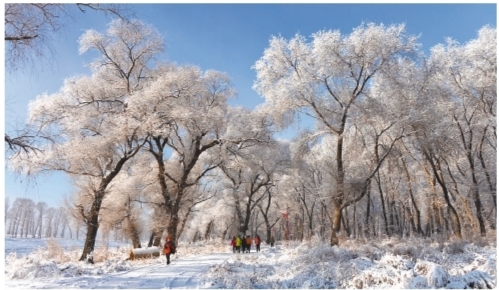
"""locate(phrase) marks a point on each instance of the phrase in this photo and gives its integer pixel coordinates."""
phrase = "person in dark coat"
(243, 244)
(257, 243)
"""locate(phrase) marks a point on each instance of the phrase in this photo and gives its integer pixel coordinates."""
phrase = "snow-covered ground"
(379, 263)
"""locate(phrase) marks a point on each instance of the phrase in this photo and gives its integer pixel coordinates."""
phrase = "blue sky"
(223, 37)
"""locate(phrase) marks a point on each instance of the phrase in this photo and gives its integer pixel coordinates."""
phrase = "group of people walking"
(238, 244)
(244, 244)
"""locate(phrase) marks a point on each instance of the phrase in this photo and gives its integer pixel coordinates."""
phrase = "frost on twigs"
(56, 261)
(397, 262)
(472, 280)
(375, 263)
(56, 252)
(373, 278)
(311, 264)
(435, 275)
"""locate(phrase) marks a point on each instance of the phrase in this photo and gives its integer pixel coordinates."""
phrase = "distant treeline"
(27, 219)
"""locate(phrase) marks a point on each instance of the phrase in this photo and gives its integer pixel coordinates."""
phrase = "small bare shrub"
(350, 243)
(435, 275)
(407, 250)
(369, 251)
(484, 242)
(455, 247)
(374, 278)
(56, 252)
(398, 262)
(101, 254)
(422, 267)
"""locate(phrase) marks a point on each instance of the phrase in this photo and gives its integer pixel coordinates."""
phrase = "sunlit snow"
(377, 263)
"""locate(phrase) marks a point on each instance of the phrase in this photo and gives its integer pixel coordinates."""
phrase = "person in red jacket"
(233, 244)
(169, 249)
(257, 243)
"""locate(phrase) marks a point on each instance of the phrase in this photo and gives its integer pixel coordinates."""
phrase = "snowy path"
(181, 273)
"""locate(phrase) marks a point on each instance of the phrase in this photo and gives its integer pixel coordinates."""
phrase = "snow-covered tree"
(251, 173)
(183, 114)
(30, 29)
(40, 207)
(93, 135)
(466, 78)
(124, 206)
(446, 104)
(329, 79)
(21, 216)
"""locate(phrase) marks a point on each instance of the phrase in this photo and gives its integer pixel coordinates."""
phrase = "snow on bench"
(140, 253)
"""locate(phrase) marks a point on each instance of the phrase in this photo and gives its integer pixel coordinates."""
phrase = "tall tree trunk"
(308, 212)
(340, 190)
(492, 187)
(413, 200)
(265, 214)
(468, 147)
(133, 231)
(92, 219)
(335, 223)
(491, 184)
(208, 230)
(382, 200)
(437, 171)
(478, 205)
(346, 224)
(322, 231)
(410, 219)
(224, 233)
(195, 238)
(184, 222)
(367, 227)
(437, 225)
(172, 228)
(355, 220)
(471, 226)
(447, 228)
(173, 221)
(92, 223)
(392, 214)
(155, 238)
(398, 218)
(433, 222)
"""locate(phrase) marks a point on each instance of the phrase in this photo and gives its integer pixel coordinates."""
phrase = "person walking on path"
(239, 242)
(233, 244)
(169, 249)
(248, 243)
(272, 241)
(243, 244)
(257, 243)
